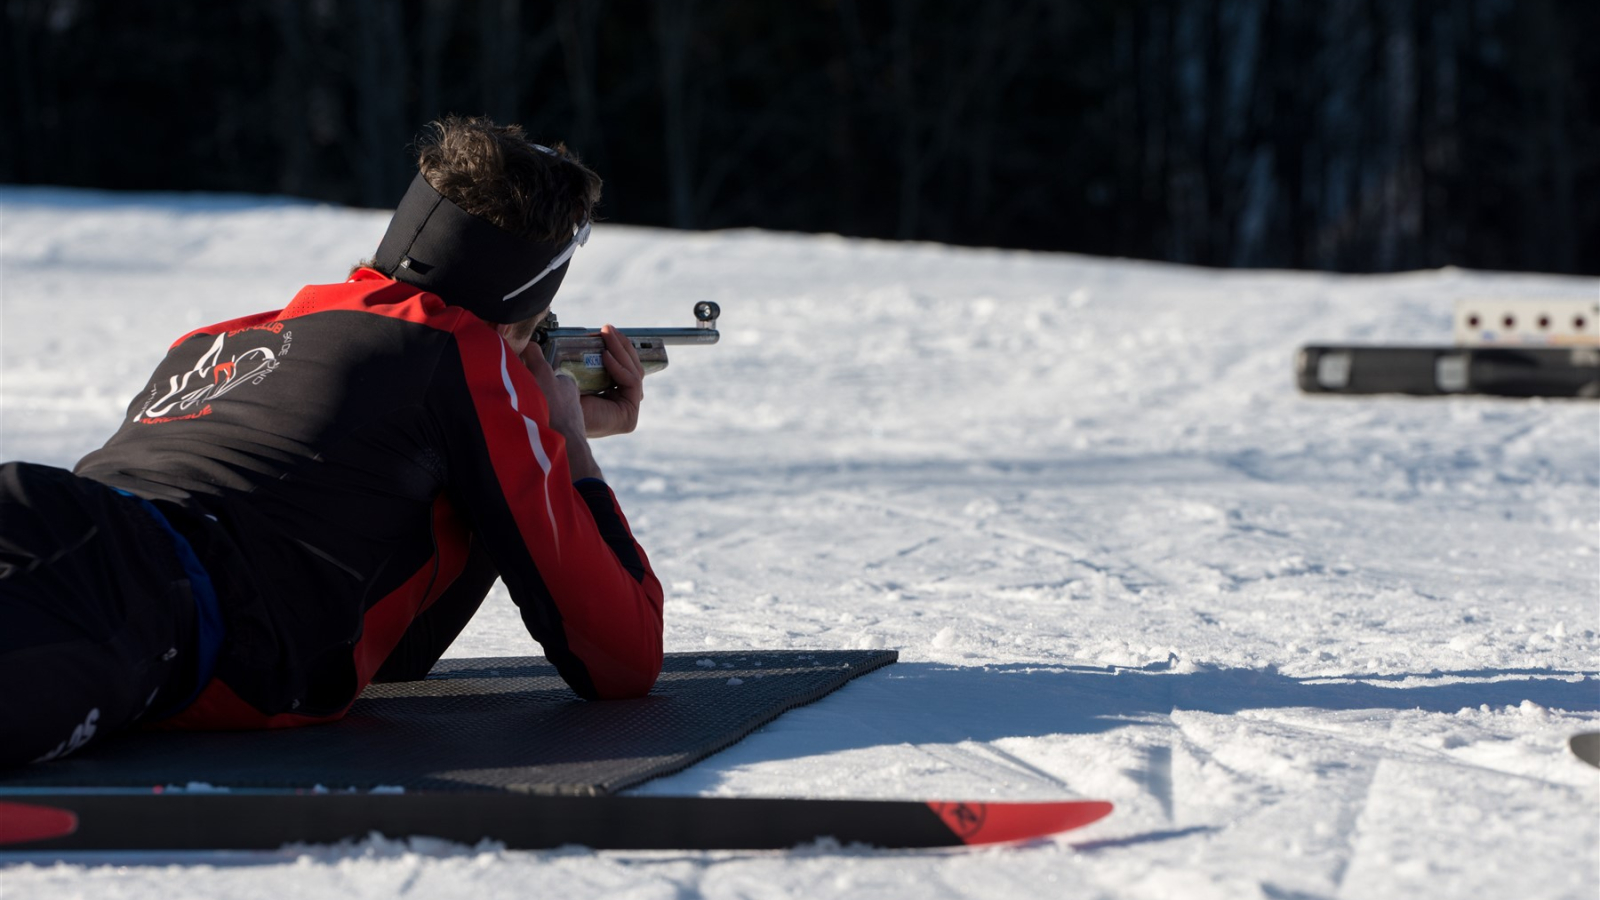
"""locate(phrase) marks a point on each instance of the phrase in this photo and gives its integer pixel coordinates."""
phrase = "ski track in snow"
(1310, 646)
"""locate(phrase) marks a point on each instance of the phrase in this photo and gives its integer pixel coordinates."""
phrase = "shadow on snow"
(934, 703)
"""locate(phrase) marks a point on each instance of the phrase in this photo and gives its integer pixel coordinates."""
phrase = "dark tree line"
(1338, 134)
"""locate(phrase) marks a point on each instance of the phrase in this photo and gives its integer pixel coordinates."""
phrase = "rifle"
(579, 351)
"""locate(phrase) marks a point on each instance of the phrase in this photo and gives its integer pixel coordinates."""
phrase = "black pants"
(97, 618)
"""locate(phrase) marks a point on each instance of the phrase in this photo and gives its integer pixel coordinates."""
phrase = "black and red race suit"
(338, 465)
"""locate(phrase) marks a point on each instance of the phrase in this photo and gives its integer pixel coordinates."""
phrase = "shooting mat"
(489, 724)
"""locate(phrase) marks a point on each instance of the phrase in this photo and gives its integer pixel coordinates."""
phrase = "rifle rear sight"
(580, 352)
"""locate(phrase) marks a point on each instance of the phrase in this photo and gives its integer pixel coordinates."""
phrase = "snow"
(1309, 646)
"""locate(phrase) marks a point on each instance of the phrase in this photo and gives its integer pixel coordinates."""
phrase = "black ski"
(1428, 371)
(1586, 746)
(171, 820)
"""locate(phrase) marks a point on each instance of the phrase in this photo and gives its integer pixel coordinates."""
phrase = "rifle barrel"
(656, 335)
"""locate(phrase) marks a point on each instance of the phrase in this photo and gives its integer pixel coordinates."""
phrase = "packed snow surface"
(1309, 646)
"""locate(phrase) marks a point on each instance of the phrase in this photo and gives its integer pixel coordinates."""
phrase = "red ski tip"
(24, 822)
(993, 823)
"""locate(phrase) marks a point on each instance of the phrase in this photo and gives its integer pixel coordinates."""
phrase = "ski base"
(267, 821)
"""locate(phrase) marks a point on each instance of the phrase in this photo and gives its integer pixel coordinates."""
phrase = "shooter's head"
(491, 221)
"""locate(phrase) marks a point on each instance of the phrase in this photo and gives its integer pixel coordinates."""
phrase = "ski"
(173, 820)
(1429, 371)
(1586, 746)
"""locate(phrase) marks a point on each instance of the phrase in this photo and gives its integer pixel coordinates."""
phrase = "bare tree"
(380, 75)
(578, 23)
(674, 22)
(435, 32)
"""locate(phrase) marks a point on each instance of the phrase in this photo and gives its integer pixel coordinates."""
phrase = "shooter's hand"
(566, 413)
(615, 410)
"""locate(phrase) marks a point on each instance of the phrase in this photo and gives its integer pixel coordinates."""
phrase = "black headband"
(468, 261)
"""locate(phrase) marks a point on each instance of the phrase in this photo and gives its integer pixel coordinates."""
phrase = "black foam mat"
(488, 724)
